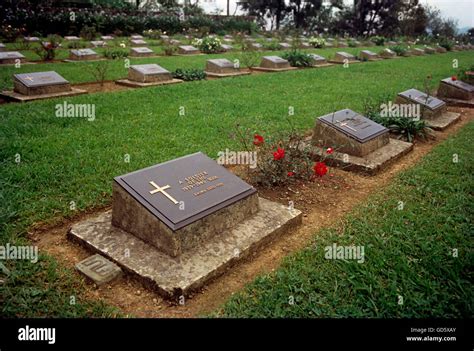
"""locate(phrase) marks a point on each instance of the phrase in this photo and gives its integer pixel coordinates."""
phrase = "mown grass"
(80, 72)
(66, 160)
(409, 252)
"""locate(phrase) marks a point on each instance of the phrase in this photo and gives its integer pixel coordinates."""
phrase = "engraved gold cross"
(162, 189)
(344, 124)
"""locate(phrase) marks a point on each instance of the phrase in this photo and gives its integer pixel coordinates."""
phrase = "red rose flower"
(454, 78)
(320, 169)
(291, 174)
(279, 154)
(258, 139)
(329, 150)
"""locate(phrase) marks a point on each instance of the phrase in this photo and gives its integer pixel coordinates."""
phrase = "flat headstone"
(318, 60)
(456, 89)
(138, 42)
(354, 125)
(170, 205)
(284, 46)
(418, 51)
(440, 49)
(429, 50)
(32, 39)
(11, 56)
(387, 53)
(342, 57)
(164, 37)
(141, 51)
(256, 46)
(422, 98)
(71, 38)
(228, 40)
(220, 66)
(350, 132)
(175, 42)
(107, 37)
(98, 43)
(148, 73)
(274, 62)
(136, 37)
(83, 54)
(99, 269)
(459, 84)
(187, 50)
(38, 83)
(227, 47)
(368, 55)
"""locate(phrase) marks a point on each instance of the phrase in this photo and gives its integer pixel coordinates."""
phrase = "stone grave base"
(372, 163)
(266, 69)
(443, 121)
(197, 54)
(223, 75)
(459, 102)
(148, 54)
(134, 84)
(342, 62)
(85, 60)
(375, 59)
(12, 95)
(173, 277)
(322, 65)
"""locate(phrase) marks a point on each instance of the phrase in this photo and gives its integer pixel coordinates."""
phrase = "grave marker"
(183, 221)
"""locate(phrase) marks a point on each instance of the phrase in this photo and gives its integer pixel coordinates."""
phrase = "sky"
(461, 10)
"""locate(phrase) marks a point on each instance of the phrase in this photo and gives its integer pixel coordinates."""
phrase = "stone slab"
(370, 164)
(132, 84)
(14, 96)
(443, 121)
(180, 276)
(225, 75)
(99, 269)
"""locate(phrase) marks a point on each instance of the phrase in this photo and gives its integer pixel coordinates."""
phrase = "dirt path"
(323, 203)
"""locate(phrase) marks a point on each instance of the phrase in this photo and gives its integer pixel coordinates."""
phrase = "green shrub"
(88, 33)
(271, 45)
(189, 74)
(446, 43)
(297, 58)
(399, 50)
(317, 43)
(208, 45)
(378, 40)
(47, 50)
(76, 45)
(115, 53)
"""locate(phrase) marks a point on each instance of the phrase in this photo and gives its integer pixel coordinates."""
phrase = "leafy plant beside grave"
(271, 45)
(189, 74)
(317, 43)
(88, 33)
(169, 49)
(284, 159)
(115, 54)
(399, 50)
(297, 58)
(249, 56)
(378, 40)
(47, 50)
(99, 71)
(208, 45)
(406, 128)
(76, 45)
(446, 43)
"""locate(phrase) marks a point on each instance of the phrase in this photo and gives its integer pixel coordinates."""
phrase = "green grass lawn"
(80, 72)
(408, 252)
(66, 160)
